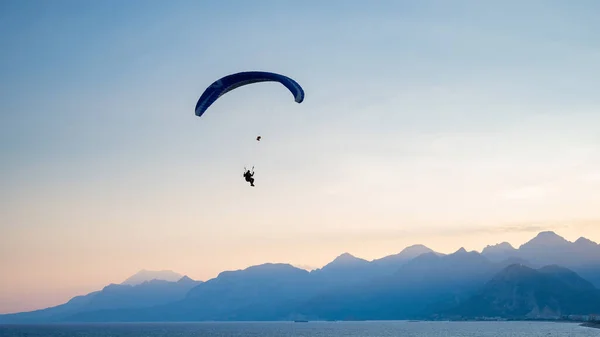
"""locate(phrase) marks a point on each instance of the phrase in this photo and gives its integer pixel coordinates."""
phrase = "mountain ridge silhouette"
(415, 283)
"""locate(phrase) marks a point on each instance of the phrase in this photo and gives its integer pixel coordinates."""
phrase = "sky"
(449, 124)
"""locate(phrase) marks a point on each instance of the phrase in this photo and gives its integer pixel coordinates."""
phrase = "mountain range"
(547, 277)
(522, 292)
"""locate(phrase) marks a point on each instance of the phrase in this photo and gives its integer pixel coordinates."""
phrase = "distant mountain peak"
(416, 246)
(549, 235)
(515, 270)
(546, 238)
(186, 279)
(261, 270)
(346, 255)
(585, 241)
(415, 250)
(271, 266)
(502, 246)
(346, 258)
(149, 275)
(462, 250)
(407, 254)
(499, 252)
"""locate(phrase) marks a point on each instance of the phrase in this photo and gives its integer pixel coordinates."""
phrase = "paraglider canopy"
(233, 81)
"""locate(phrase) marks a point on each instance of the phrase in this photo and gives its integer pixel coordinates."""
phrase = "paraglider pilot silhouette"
(249, 176)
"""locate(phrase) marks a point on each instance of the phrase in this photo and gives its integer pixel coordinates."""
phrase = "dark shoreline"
(594, 325)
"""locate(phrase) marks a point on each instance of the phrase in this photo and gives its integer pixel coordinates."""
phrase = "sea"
(304, 329)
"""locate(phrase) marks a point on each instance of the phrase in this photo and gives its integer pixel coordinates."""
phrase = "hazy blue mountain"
(589, 263)
(590, 272)
(500, 251)
(549, 248)
(426, 283)
(113, 296)
(149, 275)
(76, 304)
(567, 276)
(386, 264)
(407, 254)
(257, 292)
(519, 291)
(546, 248)
(415, 283)
(149, 293)
(347, 270)
(264, 292)
(581, 256)
(343, 271)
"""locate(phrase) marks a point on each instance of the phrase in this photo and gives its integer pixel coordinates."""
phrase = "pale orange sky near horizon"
(469, 132)
(59, 284)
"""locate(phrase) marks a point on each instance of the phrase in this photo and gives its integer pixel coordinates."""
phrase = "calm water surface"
(311, 329)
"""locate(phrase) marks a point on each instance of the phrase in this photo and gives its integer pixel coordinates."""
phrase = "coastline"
(594, 325)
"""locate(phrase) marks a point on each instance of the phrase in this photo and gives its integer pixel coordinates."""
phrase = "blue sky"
(424, 122)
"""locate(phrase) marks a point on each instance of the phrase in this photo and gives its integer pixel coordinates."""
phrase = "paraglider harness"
(249, 176)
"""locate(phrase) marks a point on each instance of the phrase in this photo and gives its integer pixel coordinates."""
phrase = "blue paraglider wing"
(233, 81)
